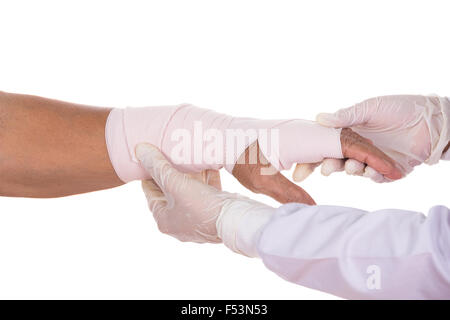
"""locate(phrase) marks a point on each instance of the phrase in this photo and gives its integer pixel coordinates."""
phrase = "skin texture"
(50, 148)
(359, 148)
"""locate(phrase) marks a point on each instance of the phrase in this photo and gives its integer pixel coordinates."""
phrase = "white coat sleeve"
(387, 254)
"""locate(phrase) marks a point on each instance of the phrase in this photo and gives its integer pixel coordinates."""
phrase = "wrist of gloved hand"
(240, 224)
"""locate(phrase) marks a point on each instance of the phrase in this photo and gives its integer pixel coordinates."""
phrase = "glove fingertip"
(328, 120)
(332, 165)
(373, 174)
(354, 167)
(302, 171)
(143, 150)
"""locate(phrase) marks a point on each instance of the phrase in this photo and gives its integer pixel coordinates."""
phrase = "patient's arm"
(50, 148)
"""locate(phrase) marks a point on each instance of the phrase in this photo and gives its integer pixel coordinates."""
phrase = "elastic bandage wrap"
(196, 139)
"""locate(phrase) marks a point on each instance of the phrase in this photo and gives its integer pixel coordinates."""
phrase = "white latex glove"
(410, 129)
(190, 210)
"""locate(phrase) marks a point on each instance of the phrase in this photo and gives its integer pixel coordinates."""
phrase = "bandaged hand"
(410, 129)
(191, 207)
(195, 139)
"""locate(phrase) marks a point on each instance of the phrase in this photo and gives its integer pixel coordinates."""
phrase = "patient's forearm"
(50, 148)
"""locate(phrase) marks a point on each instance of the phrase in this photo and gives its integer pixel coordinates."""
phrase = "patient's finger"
(259, 176)
(283, 190)
(359, 148)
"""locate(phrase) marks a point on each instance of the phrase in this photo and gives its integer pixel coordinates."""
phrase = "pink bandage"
(196, 139)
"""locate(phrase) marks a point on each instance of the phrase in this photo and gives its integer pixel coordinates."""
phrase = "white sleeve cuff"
(240, 224)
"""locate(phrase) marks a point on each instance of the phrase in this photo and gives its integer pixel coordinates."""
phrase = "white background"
(267, 59)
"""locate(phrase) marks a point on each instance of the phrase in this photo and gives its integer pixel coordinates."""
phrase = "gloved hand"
(410, 129)
(188, 209)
